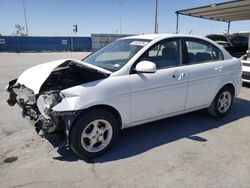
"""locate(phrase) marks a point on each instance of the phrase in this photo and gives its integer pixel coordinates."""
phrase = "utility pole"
(26, 24)
(156, 14)
(120, 17)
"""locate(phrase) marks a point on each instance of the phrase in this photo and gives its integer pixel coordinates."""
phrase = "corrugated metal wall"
(27, 43)
(100, 40)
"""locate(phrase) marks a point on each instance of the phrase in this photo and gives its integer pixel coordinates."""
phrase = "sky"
(57, 17)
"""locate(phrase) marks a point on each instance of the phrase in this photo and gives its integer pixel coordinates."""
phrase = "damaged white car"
(131, 81)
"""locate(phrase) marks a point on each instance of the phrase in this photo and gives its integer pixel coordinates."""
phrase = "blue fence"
(28, 44)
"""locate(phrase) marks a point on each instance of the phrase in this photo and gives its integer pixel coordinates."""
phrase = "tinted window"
(216, 53)
(164, 54)
(201, 51)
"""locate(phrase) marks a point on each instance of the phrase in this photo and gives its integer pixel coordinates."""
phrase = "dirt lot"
(192, 150)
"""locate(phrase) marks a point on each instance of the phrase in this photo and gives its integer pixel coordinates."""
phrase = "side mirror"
(145, 67)
(248, 52)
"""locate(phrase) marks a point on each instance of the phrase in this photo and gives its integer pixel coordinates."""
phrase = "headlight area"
(47, 121)
(46, 102)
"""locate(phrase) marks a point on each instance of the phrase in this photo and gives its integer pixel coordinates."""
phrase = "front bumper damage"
(44, 124)
(24, 98)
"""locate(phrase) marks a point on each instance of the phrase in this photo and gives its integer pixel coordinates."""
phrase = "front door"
(155, 95)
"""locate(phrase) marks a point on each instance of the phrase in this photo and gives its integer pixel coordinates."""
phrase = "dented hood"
(34, 77)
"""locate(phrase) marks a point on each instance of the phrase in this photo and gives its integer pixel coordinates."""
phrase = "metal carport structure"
(225, 12)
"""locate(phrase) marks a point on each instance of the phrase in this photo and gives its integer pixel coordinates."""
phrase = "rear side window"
(199, 51)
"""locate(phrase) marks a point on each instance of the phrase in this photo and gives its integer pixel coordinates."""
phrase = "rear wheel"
(93, 133)
(222, 102)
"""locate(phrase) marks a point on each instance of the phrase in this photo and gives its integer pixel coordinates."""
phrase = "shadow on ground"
(139, 139)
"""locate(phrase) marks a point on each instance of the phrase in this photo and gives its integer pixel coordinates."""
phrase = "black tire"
(85, 120)
(214, 110)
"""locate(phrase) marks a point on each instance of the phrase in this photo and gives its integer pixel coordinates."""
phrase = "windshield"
(116, 54)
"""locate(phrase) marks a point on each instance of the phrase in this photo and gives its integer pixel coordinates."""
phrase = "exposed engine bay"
(70, 74)
(38, 107)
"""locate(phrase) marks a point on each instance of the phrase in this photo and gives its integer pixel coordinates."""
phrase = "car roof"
(156, 36)
(148, 36)
(159, 37)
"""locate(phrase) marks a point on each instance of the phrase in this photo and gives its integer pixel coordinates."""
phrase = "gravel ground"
(191, 150)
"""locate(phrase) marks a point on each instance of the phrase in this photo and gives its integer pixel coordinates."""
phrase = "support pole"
(177, 23)
(156, 14)
(228, 28)
(249, 41)
(72, 46)
(18, 45)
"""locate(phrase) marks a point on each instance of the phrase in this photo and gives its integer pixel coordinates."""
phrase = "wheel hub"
(224, 102)
(96, 135)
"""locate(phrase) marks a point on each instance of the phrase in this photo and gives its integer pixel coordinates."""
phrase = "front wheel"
(221, 103)
(93, 133)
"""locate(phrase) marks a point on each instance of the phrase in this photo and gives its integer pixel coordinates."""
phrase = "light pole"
(26, 24)
(156, 14)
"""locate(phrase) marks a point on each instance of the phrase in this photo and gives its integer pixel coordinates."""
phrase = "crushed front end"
(37, 107)
(38, 89)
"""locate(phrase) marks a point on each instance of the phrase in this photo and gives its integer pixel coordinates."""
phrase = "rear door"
(206, 68)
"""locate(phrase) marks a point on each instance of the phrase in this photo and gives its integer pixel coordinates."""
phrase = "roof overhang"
(226, 12)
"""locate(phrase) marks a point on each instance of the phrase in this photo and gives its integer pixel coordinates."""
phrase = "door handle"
(179, 76)
(218, 68)
(182, 74)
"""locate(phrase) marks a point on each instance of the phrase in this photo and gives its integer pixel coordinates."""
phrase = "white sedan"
(131, 81)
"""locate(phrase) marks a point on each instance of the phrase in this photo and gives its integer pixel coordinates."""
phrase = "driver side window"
(164, 54)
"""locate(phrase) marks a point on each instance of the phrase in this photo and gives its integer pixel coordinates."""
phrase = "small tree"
(20, 30)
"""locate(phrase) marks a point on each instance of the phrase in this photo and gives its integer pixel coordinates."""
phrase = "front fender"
(73, 104)
(113, 92)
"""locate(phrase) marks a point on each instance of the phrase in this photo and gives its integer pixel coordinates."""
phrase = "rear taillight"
(244, 57)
